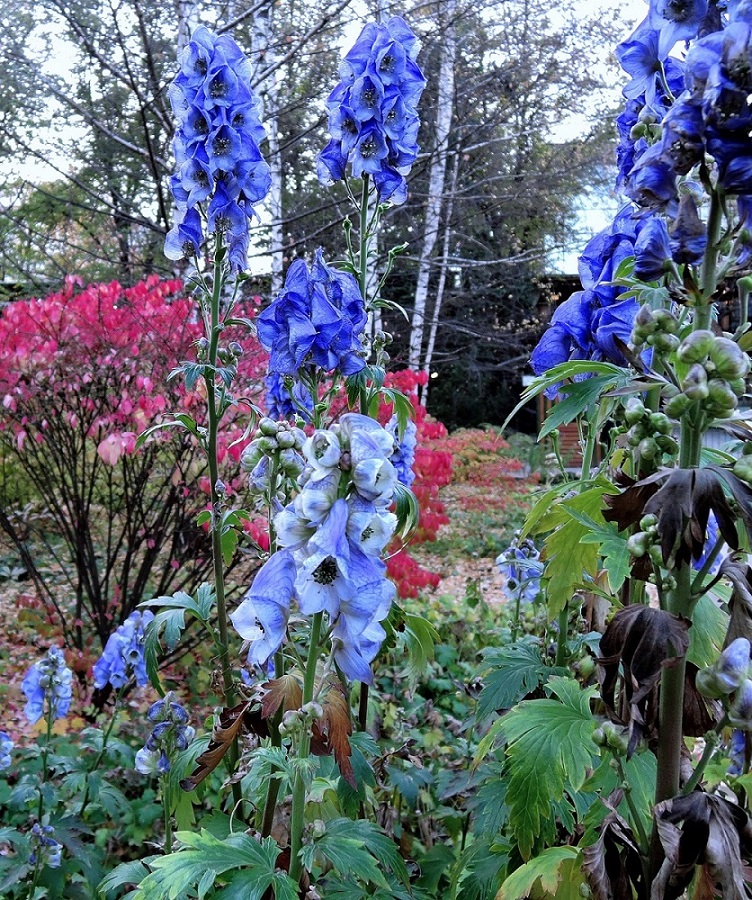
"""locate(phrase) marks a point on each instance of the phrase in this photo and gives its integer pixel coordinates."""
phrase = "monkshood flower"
(170, 734)
(315, 321)
(587, 324)
(48, 682)
(729, 671)
(737, 751)
(285, 404)
(332, 536)
(373, 121)
(676, 21)
(740, 714)
(6, 745)
(403, 457)
(652, 250)
(521, 566)
(216, 145)
(123, 654)
(45, 850)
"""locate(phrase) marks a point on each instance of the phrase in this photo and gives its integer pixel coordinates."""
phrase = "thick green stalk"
(213, 415)
(297, 816)
(165, 783)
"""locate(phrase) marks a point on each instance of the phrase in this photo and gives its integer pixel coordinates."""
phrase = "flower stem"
(214, 415)
(165, 785)
(297, 817)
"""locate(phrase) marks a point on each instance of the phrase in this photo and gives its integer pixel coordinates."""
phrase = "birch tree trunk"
(436, 181)
(442, 279)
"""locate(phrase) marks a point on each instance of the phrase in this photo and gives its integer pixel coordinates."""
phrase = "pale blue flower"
(48, 682)
(123, 654)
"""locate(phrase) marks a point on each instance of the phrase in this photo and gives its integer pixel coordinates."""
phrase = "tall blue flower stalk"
(220, 173)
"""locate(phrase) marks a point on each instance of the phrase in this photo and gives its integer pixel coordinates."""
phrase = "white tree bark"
(436, 181)
(442, 279)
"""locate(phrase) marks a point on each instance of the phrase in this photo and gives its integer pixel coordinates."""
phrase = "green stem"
(711, 742)
(364, 238)
(639, 827)
(165, 784)
(297, 817)
(216, 537)
(45, 757)
(562, 637)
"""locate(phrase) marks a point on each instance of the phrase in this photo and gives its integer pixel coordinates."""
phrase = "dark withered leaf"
(643, 641)
(740, 604)
(285, 692)
(612, 863)
(706, 830)
(742, 494)
(628, 507)
(332, 733)
(245, 716)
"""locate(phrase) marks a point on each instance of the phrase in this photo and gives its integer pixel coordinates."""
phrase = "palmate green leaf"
(617, 561)
(553, 873)
(549, 746)
(568, 557)
(360, 849)
(126, 873)
(419, 638)
(174, 875)
(509, 673)
(580, 395)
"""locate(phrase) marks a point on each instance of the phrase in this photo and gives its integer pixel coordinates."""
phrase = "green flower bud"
(677, 405)
(743, 469)
(634, 411)
(267, 427)
(267, 444)
(649, 522)
(667, 444)
(638, 544)
(664, 343)
(729, 358)
(696, 346)
(647, 448)
(660, 423)
(721, 396)
(666, 321)
(695, 385)
(286, 440)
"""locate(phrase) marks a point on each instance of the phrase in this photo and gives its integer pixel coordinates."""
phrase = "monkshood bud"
(740, 714)
(6, 745)
(287, 398)
(49, 682)
(521, 567)
(123, 654)
(45, 850)
(373, 122)
(403, 457)
(216, 146)
(169, 735)
(728, 673)
(688, 234)
(652, 251)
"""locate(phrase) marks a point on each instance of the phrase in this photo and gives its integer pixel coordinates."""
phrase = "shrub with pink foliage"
(82, 373)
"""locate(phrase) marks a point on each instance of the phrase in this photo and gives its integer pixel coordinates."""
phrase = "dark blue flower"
(185, 237)
(48, 683)
(315, 321)
(373, 123)
(688, 234)
(170, 734)
(123, 654)
(676, 20)
(45, 849)
(652, 250)
(285, 402)
(216, 145)
(403, 457)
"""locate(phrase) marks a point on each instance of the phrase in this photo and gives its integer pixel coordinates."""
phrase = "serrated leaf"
(580, 396)
(173, 875)
(617, 560)
(549, 745)
(285, 692)
(419, 638)
(544, 871)
(356, 847)
(509, 673)
(332, 733)
(224, 734)
(132, 872)
(568, 558)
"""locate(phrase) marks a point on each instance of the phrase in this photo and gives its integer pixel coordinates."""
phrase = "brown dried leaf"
(707, 830)
(644, 641)
(740, 576)
(628, 507)
(284, 692)
(612, 863)
(332, 733)
(231, 721)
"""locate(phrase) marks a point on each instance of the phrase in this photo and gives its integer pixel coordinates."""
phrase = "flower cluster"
(373, 121)
(729, 671)
(315, 321)
(332, 536)
(45, 850)
(587, 325)
(48, 682)
(216, 147)
(123, 654)
(6, 745)
(521, 566)
(170, 734)
(287, 400)
(403, 457)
